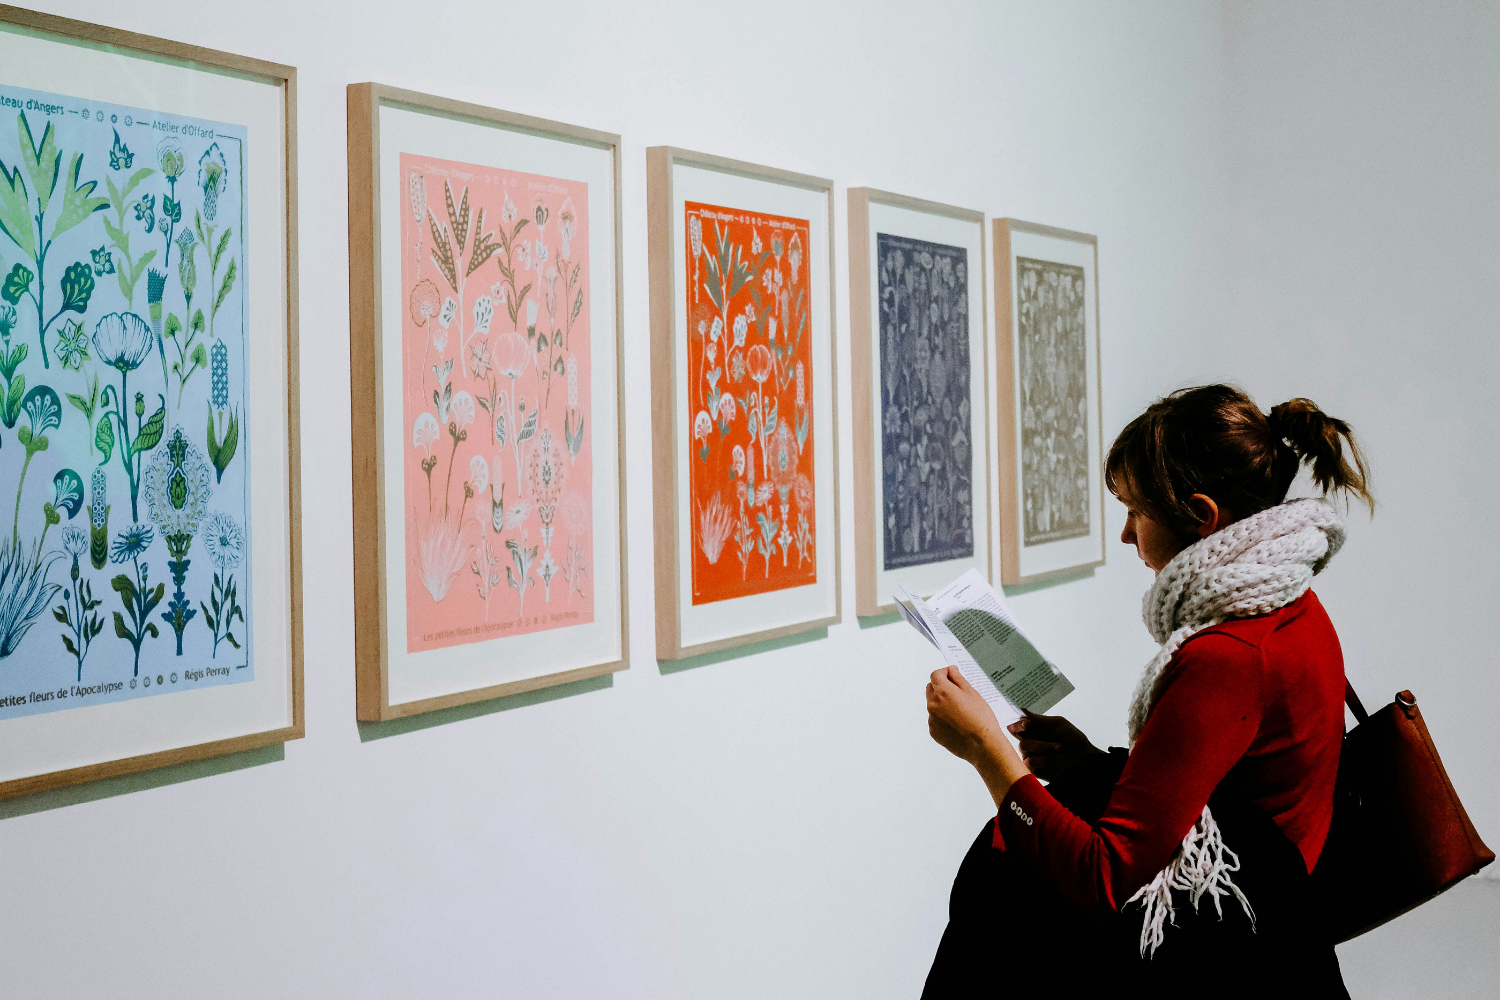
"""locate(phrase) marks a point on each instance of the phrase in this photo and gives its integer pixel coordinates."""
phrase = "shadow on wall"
(107, 788)
(707, 659)
(426, 720)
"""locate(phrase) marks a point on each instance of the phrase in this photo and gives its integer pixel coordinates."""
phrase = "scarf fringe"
(1201, 866)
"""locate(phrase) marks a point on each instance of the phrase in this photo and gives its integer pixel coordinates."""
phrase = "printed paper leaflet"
(970, 624)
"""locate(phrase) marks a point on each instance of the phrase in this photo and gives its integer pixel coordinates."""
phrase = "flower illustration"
(539, 213)
(145, 210)
(462, 408)
(517, 514)
(7, 320)
(122, 341)
(425, 431)
(72, 347)
(484, 314)
(727, 408)
(169, 157)
(131, 543)
(479, 473)
(423, 302)
(715, 330)
(104, 261)
(540, 250)
(756, 246)
(187, 265)
(702, 424)
(695, 235)
(572, 368)
(479, 358)
(225, 541)
(568, 223)
(417, 193)
(511, 354)
(213, 178)
(75, 540)
(738, 458)
(531, 308)
(177, 486)
(98, 519)
(771, 329)
(794, 256)
(450, 310)
(740, 329)
(759, 361)
(736, 367)
(523, 255)
(508, 211)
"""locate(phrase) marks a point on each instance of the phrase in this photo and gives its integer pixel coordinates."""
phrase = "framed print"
(149, 583)
(484, 263)
(1051, 466)
(921, 379)
(745, 464)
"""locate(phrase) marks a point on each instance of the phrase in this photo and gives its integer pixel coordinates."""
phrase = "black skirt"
(1011, 930)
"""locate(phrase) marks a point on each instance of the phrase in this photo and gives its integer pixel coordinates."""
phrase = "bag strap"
(1355, 705)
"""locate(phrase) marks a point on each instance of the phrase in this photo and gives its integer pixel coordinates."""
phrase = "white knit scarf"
(1252, 567)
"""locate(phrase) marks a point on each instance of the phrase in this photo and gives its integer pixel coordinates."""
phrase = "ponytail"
(1320, 440)
(1214, 440)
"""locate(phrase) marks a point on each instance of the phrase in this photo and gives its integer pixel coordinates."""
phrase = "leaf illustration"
(77, 287)
(151, 430)
(42, 161)
(578, 304)
(104, 438)
(458, 218)
(219, 250)
(17, 282)
(442, 253)
(484, 247)
(15, 211)
(78, 201)
(225, 286)
(528, 426)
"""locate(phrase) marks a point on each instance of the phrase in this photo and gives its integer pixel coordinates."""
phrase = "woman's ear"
(1210, 516)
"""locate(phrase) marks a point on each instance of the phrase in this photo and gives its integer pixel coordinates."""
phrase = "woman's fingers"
(1039, 746)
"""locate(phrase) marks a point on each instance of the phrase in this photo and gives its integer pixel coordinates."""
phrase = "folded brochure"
(970, 625)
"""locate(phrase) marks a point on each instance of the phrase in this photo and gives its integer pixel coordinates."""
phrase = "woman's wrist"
(1000, 767)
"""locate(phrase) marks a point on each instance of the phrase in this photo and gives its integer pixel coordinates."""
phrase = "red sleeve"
(1202, 725)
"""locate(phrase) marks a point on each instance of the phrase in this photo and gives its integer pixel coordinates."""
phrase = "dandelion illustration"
(226, 545)
(213, 178)
(715, 524)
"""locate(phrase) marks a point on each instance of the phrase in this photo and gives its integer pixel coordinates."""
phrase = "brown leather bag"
(1400, 836)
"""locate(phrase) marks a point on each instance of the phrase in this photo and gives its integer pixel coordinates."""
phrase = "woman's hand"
(1050, 744)
(963, 724)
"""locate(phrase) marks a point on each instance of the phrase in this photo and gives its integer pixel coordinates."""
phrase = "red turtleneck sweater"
(1261, 698)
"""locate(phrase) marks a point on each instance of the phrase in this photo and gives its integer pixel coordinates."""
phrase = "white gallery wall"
(777, 823)
(1364, 150)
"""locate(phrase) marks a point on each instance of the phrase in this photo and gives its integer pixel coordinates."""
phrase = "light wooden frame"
(1005, 320)
(372, 698)
(666, 442)
(151, 47)
(863, 341)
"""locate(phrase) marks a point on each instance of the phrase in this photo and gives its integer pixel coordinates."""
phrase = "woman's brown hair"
(1214, 440)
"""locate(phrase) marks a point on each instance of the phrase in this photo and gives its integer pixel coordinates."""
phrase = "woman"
(1180, 867)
